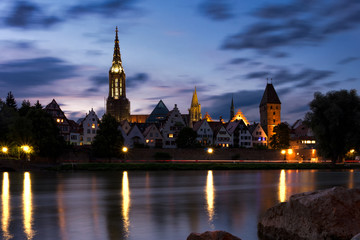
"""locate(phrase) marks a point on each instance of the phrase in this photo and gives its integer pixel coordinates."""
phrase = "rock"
(212, 235)
(356, 237)
(326, 214)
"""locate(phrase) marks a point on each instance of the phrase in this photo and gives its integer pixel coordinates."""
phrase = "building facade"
(194, 110)
(117, 104)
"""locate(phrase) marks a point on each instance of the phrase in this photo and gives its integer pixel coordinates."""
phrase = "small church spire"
(194, 101)
(232, 108)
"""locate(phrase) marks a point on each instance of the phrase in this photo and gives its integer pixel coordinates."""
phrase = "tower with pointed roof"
(232, 108)
(117, 104)
(270, 110)
(194, 110)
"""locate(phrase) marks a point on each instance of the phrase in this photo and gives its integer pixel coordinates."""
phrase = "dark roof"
(158, 114)
(270, 95)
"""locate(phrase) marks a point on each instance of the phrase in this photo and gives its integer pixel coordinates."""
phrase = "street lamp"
(210, 150)
(124, 150)
(4, 150)
(27, 150)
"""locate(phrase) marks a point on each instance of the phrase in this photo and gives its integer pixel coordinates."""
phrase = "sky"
(63, 50)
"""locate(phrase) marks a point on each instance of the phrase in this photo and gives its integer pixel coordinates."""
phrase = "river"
(149, 205)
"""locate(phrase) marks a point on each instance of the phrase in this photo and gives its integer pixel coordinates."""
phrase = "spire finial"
(117, 55)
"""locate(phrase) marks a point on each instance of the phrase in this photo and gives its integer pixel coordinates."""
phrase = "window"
(89, 139)
(93, 131)
(273, 113)
(93, 125)
(88, 131)
(151, 135)
(171, 135)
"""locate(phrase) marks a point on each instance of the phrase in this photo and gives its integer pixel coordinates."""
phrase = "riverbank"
(198, 166)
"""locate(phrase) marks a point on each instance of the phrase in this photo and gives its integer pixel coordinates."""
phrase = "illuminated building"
(153, 137)
(60, 119)
(270, 110)
(171, 128)
(204, 132)
(259, 137)
(158, 114)
(241, 134)
(117, 104)
(194, 110)
(90, 126)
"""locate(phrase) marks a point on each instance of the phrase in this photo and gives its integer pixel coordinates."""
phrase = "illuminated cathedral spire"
(195, 109)
(117, 104)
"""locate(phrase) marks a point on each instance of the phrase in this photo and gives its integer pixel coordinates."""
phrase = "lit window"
(147, 140)
(313, 142)
(93, 125)
(171, 135)
(58, 120)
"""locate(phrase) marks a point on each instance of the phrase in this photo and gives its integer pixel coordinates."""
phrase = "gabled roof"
(233, 125)
(198, 124)
(270, 95)
(158, 114)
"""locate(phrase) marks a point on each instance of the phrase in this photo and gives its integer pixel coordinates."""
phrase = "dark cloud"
(220, 104)
(25, 14)
(137, 79)
(100, 80)
(279, 54)
(239, 61)
(300, 109)
(216, 10)
(298, 23)
(105, 8)
(35, 72)
(92, 90)
(348, 60)
(304, 78)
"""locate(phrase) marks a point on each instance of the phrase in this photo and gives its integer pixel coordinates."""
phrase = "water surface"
(149, 205)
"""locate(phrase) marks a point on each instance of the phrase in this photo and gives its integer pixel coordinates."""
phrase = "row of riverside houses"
(162, 127)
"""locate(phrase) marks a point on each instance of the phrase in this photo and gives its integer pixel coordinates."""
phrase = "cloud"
(304, 78)
(100, 80)
(25, 14)
(220, 104)
(216, 10)
(136, 80)
(239, 61)
(298, 23)
(348, 60)
(105, 8)
(35, 72)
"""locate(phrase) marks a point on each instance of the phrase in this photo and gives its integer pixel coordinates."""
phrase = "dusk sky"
(63, 50)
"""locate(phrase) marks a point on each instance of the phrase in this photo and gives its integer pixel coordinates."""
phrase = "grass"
(197, 166)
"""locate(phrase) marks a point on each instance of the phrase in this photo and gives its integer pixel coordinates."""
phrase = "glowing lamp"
(4, 149)
(210, 150)
(26, 148)
(290, 151)
(124, 149)
(283, 152)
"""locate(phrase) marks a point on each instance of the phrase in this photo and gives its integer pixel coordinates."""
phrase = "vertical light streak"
(210, 195)
(27, 207)
(61, 210)
(351, 179)
(5, 218)
(126, 201)
(282, 186)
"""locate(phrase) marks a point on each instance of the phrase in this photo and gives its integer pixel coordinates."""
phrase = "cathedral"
(117, 104)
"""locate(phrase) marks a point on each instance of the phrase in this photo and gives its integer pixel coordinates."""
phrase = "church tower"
(195, 109)
(117, 104)
(232, 109)
(270, 110)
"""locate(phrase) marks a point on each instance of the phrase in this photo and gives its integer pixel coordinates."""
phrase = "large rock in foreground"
(327, 214)
(212, 235)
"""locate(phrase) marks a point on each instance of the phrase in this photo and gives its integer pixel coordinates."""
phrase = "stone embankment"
(326, 214)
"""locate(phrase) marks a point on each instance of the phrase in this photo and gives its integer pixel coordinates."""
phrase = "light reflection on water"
(125, 202)
(5, 197)
(150, 205)
(27, 207)
(210, 195)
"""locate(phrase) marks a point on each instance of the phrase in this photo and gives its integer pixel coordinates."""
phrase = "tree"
(187, 138)
(335, 121)
(38, 105)
(108, 140)
(25, 107)
(281, 137)
(10, 101)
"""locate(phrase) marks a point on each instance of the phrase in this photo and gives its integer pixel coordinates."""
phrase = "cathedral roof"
(270, 95)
